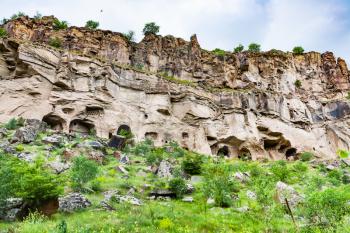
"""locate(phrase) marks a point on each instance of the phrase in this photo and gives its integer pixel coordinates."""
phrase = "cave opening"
(55, 122)
(81, 126)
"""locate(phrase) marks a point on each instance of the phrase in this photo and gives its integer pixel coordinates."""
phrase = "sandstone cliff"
(166, 88)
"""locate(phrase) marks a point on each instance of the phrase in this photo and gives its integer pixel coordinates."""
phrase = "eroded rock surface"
(165, 88)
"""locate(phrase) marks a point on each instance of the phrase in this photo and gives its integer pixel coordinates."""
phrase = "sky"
(316, 25)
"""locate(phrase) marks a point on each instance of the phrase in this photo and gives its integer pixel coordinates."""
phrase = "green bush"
(18, 15)
(55, 42)
(155, 156)
(130, 36)
(142, 148)
(335, 177)
(92, 24)
(239, 48)
(280, 170)
(178, 186)
(14, 123)
(192, 163)
(151, 28)
(253, 47)
(32, 182)
(328, 207)
(59, 25)
(219, 184)
(3, 33)
(37, 16)
(306, 156)
(219, 52)
(126, 133)
(298, 50)
(19, 148)
(83, 170)
(297, 83)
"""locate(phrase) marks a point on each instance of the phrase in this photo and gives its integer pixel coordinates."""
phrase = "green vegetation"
(92, 24)
(82, 171)
(59, 25)
(150, 28)
(229, 195)
(219, 52)
(254, 47)
(297, 83)
(37, 16)
(306, 156)
(18, 15)
(3, 33)
(238, 49)
(32, 182)
(130, 36)
(55, 42)
(298, 50)
(14, 123)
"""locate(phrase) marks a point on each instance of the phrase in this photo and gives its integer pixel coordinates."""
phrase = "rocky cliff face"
(166, 88)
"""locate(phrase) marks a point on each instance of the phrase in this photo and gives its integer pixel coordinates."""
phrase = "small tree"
(82, 171)
(92, 24)
(298, 50)
(130, 36)
(38, 15)
(3, 33)
(55, 42)
(219, 52)
(297, 83)
(59, 25)
(151, 28)
(254, 47)
(239, 48)
(178, 186)
(18, 15)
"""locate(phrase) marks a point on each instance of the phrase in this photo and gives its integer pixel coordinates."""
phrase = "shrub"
(142, 148)
(253, 47)
(219, 52)
(192, 163)
(19, 148)
(32, 182)
(130, 36)
(151, 28)
(297, 83)
(327, 207)
(14, 123)
(335, 177)
(82, 171)
(280, 170)
(55, 42)
(239, 48)
(37, 16)
(306, 156)
(178, 186)
(219, 184)
(155, 156)
(92, 24)
(343, 154)
(59, 25)
(126, 133)
(18, 15)
(3, 33)
(62, 227)
(298, 50)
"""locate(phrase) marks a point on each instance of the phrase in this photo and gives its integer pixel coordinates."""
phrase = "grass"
(264, 214)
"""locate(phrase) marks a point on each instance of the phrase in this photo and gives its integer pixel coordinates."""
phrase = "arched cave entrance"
(81, 126)
(55, 122)
(224, 151)
(124, 130)
(244, 154)
(291, 153)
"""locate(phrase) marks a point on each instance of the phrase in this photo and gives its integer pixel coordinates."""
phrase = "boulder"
(95, 144)
(54, 140)
(73, 202)
(251, 195)
(58, 167)
(187, 199)
(27, 156)
(162, 193)
(3, 132)
(29, 132)
(122, 169)
(113, 196)
(13, 209)
(285, 191)
(242, 177)
(165, 169)
(124, 159)
(117, 141)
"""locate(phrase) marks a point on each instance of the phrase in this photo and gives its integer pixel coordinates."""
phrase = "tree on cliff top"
(92, 24)
(151, 28)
